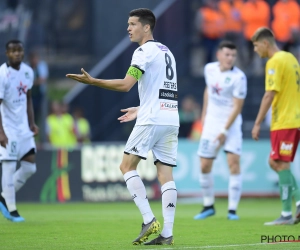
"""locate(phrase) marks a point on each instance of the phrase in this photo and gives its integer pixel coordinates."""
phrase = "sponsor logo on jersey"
(216, 89)
(168, 94)
(22, 89)
(286, 148)
(168, 106)
(162, 47)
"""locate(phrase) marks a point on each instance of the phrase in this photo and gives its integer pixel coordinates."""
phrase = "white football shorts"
(209, 147)
(162, 140)
(17, 148)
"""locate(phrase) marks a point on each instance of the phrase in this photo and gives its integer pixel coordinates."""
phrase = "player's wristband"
(224, 131)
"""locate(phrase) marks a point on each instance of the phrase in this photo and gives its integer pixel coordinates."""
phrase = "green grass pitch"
(114, 225)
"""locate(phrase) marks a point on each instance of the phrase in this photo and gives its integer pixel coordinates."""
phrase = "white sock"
(207, 185)
(298, 203)
(285, 214)
(169, 199)
(8, 188)
(23, 173)
(138, 193)
(234, 191)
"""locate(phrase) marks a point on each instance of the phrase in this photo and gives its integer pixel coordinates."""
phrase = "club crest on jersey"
(227, 80)
(216, 89)
(22, 89)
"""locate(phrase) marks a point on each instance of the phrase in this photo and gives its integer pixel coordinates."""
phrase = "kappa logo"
(286, 148)
(140, 49)
(170, 205)
(134, 149)
(133, 196)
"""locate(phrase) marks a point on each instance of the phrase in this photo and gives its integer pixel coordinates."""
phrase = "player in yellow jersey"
(283, 93)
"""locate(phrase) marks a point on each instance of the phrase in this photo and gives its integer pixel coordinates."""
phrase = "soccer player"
(17, 128)
(226, 89)
(153, 66)
(282, 86)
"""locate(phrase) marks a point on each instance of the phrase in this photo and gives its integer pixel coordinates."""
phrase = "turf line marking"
(218, 246)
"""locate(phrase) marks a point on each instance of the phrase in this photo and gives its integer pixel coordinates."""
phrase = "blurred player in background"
(226, 89)
(283, 93)
(154, 67)
(17, 128)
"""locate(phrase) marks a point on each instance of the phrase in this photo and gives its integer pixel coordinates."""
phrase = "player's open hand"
(131, 114)
(34, 128)
(3, 140)
(255, 132)
(84, 77)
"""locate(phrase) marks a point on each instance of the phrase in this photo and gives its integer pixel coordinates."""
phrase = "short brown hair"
(263, 33)
(145, 16)
(226, 44)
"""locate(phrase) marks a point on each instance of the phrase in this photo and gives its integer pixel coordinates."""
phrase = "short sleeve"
(3, 81)
(240, 87)
(139, 59)
(205, 73)
(273, 75)
(31, 77)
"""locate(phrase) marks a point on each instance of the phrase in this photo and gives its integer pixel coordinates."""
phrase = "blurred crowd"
(66, 130)
(237, 20)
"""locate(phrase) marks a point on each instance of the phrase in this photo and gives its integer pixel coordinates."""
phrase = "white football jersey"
(14, 85)
(158, 85)
(222, 87)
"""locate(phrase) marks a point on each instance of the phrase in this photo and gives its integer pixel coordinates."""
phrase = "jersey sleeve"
(2, 83)
(138, 64)
(240, 87)
(31, 78)
(273, 75)
(205, 73)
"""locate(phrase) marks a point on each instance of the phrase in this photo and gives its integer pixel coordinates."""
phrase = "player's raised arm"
(122, 85)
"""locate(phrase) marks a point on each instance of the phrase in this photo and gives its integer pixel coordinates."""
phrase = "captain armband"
(135, 72)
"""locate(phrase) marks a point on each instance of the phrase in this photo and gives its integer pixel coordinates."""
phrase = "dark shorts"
(284, 144)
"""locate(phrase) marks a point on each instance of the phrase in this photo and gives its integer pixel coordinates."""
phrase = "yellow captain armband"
(135, 72)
